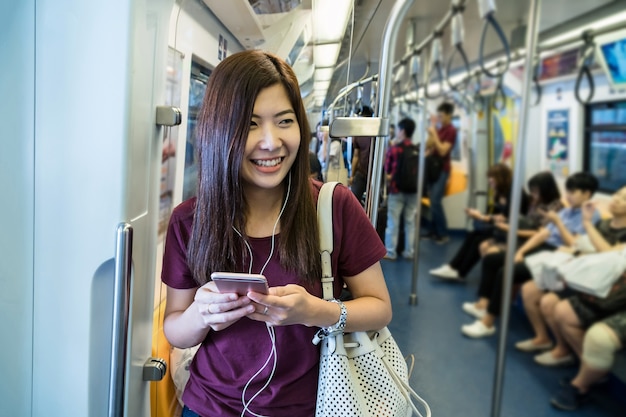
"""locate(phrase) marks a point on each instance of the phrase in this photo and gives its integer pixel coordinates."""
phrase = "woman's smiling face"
(273, 141)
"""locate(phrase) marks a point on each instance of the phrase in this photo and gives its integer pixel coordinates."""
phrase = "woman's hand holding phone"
(218, 310)
(290, 304)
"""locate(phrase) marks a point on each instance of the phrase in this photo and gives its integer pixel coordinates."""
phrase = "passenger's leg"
(394, 210)
(359, 184)
(494, 307)
(468, 254)
(410, 209)
(547, 306)
(599, 346)
(491, 269)
(531, 296)
(570, 326)
(484, 326)
(439, 223)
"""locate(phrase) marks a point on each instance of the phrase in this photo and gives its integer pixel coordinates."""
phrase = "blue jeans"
(396, 205)
(438, 225)
(188, 413)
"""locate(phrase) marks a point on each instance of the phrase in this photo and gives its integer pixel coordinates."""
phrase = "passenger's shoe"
(442, 240)
(477, 330)
(472, 310)
(547, 359)
(568, 398)
(408, 256)
(565, 382)
(445, 272)
(530, 346)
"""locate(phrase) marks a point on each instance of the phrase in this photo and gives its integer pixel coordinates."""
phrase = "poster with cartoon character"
(558, 142)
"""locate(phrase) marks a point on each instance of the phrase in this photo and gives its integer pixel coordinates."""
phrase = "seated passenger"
(561, 231)
(500, 179)
(604, 235)
(595, 329)
(544, 197)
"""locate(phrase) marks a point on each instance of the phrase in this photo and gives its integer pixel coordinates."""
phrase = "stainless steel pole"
(385, 71)
(420, 193)
(121, 303)
(531, 44)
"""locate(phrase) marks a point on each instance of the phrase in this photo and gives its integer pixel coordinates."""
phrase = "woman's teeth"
(267, 162)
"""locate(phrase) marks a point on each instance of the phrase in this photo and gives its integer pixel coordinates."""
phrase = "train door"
(86, 158)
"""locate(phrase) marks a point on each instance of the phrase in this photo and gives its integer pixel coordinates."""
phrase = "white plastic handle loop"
(435, 52)
(486, 7)
(458, 31)
(414, 66)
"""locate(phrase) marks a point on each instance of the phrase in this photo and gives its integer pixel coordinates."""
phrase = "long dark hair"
(503, 177)
(546, 187)
(222, 132)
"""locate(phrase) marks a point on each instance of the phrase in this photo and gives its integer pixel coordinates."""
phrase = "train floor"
(454, 374)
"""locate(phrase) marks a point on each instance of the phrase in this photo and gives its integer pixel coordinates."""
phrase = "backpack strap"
(325, 225)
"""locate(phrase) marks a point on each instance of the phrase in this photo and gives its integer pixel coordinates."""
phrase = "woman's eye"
(286, 122)
(253, 123)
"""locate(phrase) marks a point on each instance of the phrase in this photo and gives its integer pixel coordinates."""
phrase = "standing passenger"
(441, 140)
(400, 201)
(255, 212)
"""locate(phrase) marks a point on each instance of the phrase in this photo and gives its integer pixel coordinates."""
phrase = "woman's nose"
(271, 138)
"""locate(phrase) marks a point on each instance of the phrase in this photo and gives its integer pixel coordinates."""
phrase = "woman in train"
(255, 212)
(539, 304)
(481, 240)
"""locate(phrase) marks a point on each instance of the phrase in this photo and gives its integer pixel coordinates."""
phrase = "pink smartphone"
(240, 283)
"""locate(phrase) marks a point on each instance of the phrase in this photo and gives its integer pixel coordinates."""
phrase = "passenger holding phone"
(255, 213)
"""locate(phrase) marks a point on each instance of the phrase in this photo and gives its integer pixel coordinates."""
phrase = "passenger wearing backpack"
(401, 175)
(441, 140)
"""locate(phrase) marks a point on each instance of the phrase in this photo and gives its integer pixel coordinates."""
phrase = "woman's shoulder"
(341, 192)
(183, 213)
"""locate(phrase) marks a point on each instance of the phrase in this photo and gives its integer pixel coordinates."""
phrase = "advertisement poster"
(504, 129)
(558, 142)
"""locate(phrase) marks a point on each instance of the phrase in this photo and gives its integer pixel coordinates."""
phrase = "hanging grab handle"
(435, 58)
(414, 72)
(499, 97)
(397, 80)
(487, 9)
(479, 101)
(458, 33)
(584, 70)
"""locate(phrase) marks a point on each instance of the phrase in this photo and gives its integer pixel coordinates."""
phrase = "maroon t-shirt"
(447, 134)
(227, 359)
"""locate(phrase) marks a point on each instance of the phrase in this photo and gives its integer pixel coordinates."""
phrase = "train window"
(197, 86)
(605, 143)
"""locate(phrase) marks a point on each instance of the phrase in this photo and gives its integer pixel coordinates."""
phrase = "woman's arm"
(292, 304)
(596, 238)
(535, 240)
(434, 141)
(191, 313)
(567, 237)
(524, 233)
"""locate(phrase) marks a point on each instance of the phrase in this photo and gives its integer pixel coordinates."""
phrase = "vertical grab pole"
(385, 75)
(121, 303)
(420, 193)
(531, 44)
